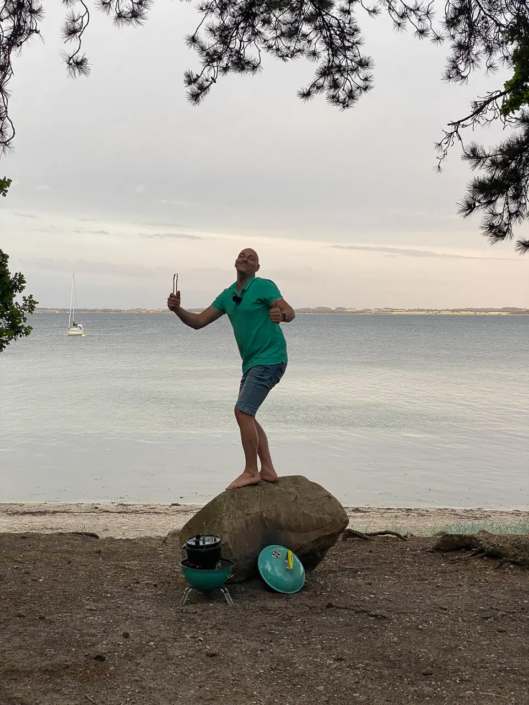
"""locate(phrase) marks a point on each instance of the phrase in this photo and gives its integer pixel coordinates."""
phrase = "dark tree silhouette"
(13, 321)
(5, 183)
(493, 33)
(233, 35)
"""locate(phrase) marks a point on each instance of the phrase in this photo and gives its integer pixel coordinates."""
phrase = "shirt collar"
(233, 287)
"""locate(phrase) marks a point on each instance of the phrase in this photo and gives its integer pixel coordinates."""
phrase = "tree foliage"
(517, 88)
(4, 186)
(501, 192)
(233, 35)
(13, 322)
(496, 33)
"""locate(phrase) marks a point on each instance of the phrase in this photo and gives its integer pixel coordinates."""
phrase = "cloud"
(165, 225)
(140, 188)
(175, 203)
(92, 232)
(42, 188)
(87, 220)
(414, 253)
(26, 215)
(172, 235)
(94, 271)
(94, 267)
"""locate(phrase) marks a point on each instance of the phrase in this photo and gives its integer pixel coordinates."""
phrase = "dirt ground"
(87, 620)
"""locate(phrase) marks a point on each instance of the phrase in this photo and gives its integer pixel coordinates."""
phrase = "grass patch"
(472, 527)
(468, 527)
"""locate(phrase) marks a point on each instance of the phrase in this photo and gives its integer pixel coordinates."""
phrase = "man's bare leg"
(268, 472)
(250, 444)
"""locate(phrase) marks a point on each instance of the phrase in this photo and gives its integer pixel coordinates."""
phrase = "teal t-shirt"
(260, 341)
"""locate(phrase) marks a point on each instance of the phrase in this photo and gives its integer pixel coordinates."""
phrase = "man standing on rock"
(255, 308)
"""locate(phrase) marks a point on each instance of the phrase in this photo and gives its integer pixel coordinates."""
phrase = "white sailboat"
(73, 327)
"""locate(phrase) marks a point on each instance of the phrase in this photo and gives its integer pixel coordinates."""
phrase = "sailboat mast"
(73, 298)
(71, 316)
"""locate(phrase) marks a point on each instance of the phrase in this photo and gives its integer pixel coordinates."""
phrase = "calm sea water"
(382, 410)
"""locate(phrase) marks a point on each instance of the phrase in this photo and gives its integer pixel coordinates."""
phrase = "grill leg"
(227, 595)
(185, 595)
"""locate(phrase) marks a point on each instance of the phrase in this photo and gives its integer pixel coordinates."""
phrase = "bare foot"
(247, 478)
(269, 475)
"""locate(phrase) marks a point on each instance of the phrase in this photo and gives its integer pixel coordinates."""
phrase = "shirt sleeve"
(270, 292)
(219, 302)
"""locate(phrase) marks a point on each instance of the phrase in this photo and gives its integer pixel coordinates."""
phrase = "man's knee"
(242, 417)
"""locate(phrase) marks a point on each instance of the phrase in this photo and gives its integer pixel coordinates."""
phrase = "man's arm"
(193, 320)
(279, 307)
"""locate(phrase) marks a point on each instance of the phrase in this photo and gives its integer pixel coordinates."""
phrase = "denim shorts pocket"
(276, 373)
(269, 375)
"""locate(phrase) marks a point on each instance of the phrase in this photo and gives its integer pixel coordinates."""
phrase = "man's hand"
(275, 313)
(173, 302)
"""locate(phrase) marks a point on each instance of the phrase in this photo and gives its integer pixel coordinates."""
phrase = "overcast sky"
(119, 179)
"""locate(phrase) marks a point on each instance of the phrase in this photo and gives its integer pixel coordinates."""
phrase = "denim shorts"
(255, 385)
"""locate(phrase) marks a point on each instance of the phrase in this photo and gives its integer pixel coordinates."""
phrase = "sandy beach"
(141, 520)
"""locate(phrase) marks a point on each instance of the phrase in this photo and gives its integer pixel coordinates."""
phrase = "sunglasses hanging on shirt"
(237, 299)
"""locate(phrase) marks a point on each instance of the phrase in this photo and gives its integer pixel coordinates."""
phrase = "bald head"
(247, 263)
(249, 252)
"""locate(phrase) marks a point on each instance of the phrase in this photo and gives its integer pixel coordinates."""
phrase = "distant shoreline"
(322, 310)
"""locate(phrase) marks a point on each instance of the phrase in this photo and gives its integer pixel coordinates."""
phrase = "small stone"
(320, 687)
(211, 653)
(502, 630)
(190, 610)
(126, 635)
(20, 614)
(428, 672)
(99, 657)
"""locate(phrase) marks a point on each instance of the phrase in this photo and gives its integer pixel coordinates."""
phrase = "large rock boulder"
(292, 512)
